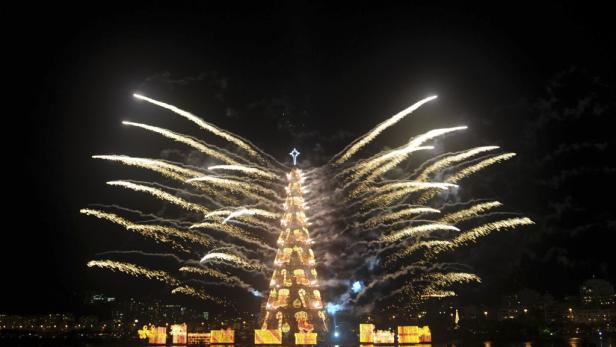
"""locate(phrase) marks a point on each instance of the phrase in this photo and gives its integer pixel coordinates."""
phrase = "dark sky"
(538, 80)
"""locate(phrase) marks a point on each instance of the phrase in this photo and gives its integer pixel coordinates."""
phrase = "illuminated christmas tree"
(294, 303)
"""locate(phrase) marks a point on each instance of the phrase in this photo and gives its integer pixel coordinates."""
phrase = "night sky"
(537, 80)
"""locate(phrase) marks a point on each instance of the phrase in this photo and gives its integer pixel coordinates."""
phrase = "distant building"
(597, 291)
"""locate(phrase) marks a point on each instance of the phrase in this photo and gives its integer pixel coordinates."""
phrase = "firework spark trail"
(394, 157)
(426, 228)
(396, 185)
(155, 235)
(479, 166)
(184, 235)
(107, 216)
(414, 145)
(245, 145)
(432, 293)
(241, 187)
(209, 150)
(251, 212)
(485, 229)
(444, 279)
(455, 178)
(231, 258)
(216, 214)
(251, 222)
(386, 278)
(200, 294)
(163, 167)
(356, 145)
(157, 232)
(177, 191)
(222, 197)
(146, 217)
(234, 232)
(466, 213)
(181, 192)
(430, 246)
(451, 160)
(248, 170)
(204, 271)
(434, 281)
(221, 215)
(403, 190)
(134, 270)
(160, 194)
(391, 216)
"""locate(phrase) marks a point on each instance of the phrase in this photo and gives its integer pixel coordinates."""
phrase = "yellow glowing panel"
(222, 336)
(305, 338)
(366, 333)
(268, 337)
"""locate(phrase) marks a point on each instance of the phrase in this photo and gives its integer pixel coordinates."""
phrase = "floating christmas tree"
(294, 303)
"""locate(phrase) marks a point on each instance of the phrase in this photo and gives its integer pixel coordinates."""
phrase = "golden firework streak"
(232, 258)
(483, 230)
(134, 270)
(472, 211)
(190, 291)
(233, 231)
(160, 194)
(443, 279)
(157, 232)
(455, 178)
(479, 166)
(431, 246)
(206, 126)
(399, 190)
(367, 138)
(452, 159)
(426, 228)
(374, 221)
(166, 169)
(187, 140)
(203, 271)
(251, 212)
(246, 169)
(392, 158)
(238, 186)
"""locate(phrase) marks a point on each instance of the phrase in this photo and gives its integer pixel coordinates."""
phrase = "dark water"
(572, 342)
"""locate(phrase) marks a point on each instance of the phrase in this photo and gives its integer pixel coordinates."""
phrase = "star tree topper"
(294, 153)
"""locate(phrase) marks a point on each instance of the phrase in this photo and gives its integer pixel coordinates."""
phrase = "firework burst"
(241, 206)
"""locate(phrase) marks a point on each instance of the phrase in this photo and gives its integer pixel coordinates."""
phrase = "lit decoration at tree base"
(384, 336)
(155, 335)
(178, 333)
(414, 334)
(406, 334)
(305, 338)
(366, 333)
(268, 337)
(222, 336)
(198, 338)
